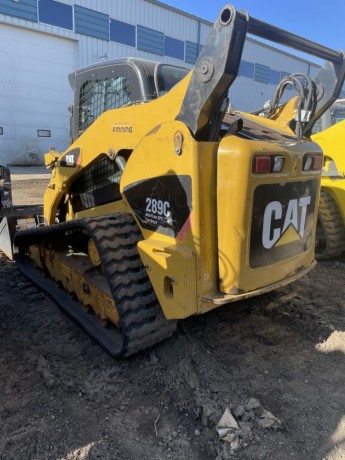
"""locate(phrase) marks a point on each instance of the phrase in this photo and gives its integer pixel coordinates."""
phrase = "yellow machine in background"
(161, 208)
(330, 238)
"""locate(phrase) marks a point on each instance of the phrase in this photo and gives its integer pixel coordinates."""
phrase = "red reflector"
(317, 162)
(261, 165)
(312, 162)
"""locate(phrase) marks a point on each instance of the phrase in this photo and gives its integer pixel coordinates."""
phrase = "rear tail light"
(312, 162)
(263, 164)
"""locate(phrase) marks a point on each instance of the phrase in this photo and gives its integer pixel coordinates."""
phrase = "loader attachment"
(5, 187)
(14, 218)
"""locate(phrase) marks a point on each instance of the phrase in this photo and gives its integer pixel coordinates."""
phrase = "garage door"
(34, 93)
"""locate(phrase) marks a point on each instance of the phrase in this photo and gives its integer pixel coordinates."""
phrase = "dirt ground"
(276, 361)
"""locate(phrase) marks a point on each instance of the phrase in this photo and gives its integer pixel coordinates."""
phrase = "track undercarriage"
(91, 268)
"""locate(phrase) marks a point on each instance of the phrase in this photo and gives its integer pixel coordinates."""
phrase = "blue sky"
(319, 21)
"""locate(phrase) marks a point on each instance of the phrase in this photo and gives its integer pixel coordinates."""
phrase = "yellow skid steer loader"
(159, 210)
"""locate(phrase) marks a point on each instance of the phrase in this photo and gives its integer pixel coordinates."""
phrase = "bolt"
(86, 288)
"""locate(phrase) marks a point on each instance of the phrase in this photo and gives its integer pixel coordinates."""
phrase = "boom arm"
(215, 70)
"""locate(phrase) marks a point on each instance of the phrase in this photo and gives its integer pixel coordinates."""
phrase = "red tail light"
(262, 164)
(312, 162)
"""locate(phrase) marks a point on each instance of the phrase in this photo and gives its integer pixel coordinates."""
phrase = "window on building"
(192, 52)
(121, 32)
(174, 48)
(44, 133)
(261, 73)
(246, 69)
(274, 77)
(56, 13)
(24, 10)
(90, 22)
(150, 40)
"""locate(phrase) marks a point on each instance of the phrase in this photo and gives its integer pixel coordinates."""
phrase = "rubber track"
(331, 224)
(142, 321)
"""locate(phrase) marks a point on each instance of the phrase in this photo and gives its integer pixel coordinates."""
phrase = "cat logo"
(282, 227)
(72, 159)
(279, 229)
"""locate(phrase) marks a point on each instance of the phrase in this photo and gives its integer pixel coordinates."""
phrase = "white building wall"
(34, 93)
